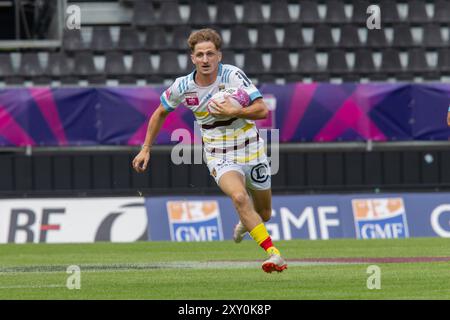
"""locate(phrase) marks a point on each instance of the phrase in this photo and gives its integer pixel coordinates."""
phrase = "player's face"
(206, 57)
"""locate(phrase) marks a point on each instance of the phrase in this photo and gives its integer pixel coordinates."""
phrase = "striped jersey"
(237, 141)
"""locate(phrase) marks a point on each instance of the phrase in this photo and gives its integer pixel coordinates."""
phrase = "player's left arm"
(255, 111)
(448, 117)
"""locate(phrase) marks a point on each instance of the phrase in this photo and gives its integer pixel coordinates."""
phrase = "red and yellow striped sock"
(261, 236)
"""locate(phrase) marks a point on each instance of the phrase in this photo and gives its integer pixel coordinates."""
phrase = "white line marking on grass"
(32, 287)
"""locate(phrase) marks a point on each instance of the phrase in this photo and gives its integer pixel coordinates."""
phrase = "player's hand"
(223, 108)
(140, 162)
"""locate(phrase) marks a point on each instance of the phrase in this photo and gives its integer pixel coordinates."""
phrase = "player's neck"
(203, 80)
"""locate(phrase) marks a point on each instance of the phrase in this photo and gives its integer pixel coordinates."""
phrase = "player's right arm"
(448, 117)
(157, 119)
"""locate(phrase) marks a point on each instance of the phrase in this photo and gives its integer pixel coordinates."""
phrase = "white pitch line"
(33, 287)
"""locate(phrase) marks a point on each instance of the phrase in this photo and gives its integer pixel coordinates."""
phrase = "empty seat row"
(304, 63)
(349, 36)
(145, 13)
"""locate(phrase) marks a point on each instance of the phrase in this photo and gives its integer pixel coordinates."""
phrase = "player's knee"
(240, 198)
(266, 214)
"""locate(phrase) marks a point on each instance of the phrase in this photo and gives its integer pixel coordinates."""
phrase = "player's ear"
(220, 56)
(192, 58)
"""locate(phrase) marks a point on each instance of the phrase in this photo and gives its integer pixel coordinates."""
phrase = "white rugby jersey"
(239, 141)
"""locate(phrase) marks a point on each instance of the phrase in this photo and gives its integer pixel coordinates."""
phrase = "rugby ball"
(239, 98)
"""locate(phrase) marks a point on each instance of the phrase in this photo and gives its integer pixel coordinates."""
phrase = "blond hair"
(204, 35)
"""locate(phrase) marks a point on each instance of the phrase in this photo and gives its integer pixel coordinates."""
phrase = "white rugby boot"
(239, 232)
(274, 263)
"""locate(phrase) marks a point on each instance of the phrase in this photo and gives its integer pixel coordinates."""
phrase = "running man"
(232, 145)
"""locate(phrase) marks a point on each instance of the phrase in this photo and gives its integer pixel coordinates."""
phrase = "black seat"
(322, 37)
(72, 40)
(441, 11)
(280, 62)
(253, 63)
(225, 13)
(142, 68)
(156, 39)
(30, 65)
(337, 63)
(444, 60)
(307, 63)
(376, 38)
(128, 39)
(60, 68)
(417, 12)
(390, 62)
(169, 13)
(389, 11)
(101, 39)
(7, 72)
(293, 37)
(417, 64)
(335, 12)
(360, 15)
(199, 15)
(349, 37)
(169, 64)
(309, 12)
(364, 65)
(84, 68)
(115, 66)
(252, 13)
(228, 57)
(432, 36)
(279, 12)
(239, 38)
(144, 14)
(266, 37)
(180, 36)
(402, 36)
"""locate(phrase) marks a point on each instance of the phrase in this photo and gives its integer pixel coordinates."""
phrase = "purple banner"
(315, 112)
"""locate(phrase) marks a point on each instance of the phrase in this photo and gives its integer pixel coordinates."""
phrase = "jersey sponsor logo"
(194, 220)
(191, 98)
(380, 218)
(260, 173)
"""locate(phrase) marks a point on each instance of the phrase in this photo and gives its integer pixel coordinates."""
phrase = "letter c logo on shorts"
(259, 173)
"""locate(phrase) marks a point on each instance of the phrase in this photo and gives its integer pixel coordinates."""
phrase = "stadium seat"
(156, 39)
(335, 12)
(142, 68)
(322, 37)
(101, 39)
(389, 11)
(72, 40)
(169, 64)
(281, 63)
(417, 12)
(309, 12)
(293, 37)
(169, 13)
(228, 57)
(444, 60)
(337, 63)
(360, 15)
(179, 39)
(364, 65)
(253, 63)
(432, 37)
(239, 38)
(441, 11)
(391, 65)
(60, 68)
(30, 67)
(84, 68)
(226, 15)
(252, 13)
(115, 67)
(376, 39)
(199, 15)
(349, 37)
(402, 36)
(279, 12)
(307, 63)
(144, 14)
(128, 39)
(7, 73)
(417, 64)
(266, 37)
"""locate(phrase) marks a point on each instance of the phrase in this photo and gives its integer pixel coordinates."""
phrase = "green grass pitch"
(223, 270)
